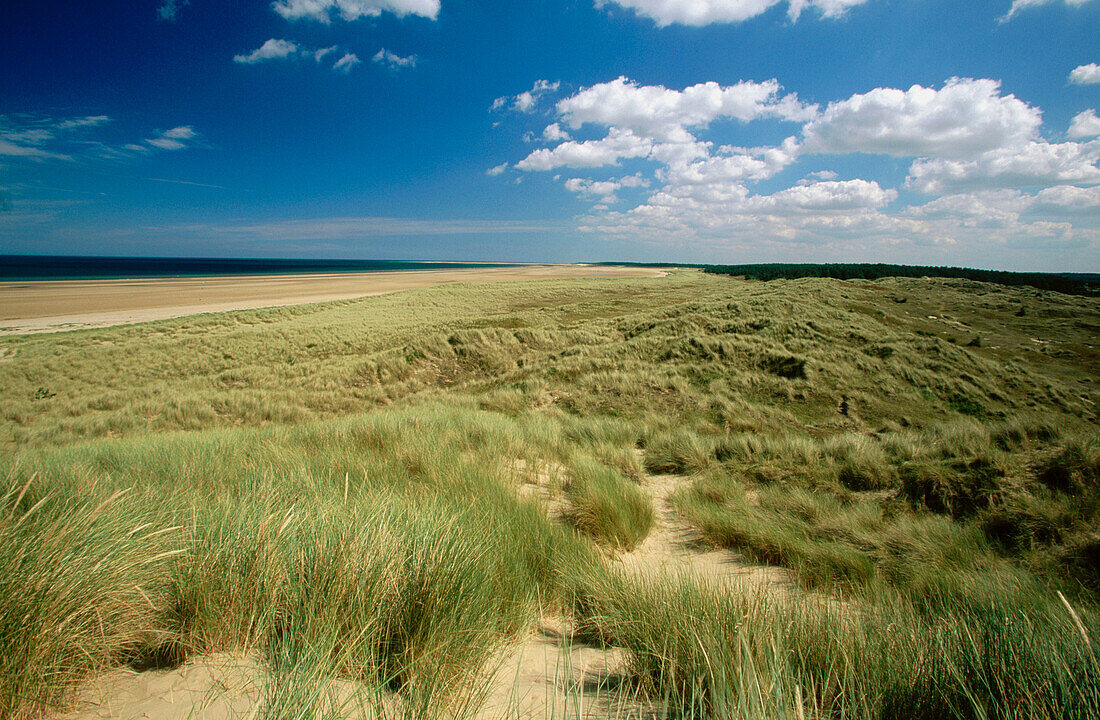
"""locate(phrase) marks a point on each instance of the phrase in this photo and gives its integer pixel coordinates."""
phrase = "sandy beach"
(53, 306)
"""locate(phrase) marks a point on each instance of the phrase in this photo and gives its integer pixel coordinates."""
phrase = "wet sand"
(53, 306)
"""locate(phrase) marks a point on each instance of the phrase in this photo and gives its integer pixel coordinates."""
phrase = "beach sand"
(53, 306)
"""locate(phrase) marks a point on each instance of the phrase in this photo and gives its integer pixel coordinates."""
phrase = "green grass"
(717, 651)
(606, 506)
(337, 491)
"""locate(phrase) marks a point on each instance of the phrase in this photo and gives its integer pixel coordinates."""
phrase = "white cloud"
(346, 63)
(1018, 5)
(1071, 196)
(819, 175)
(83, 122)
(185, 132)
(1034, 164)
(554, 133)
(603, 190)
(828, 196)
(618, 145)
(13, 149)
(273, 49)
(990, 208)
(497, 170)
(663, 114)
(1085, 125)
(527, 100)
(276, 49)
(79, 139)
(1085, 74)
(349, 10)
(174, 139)
(827, 8)
(170, 8)
(968, 142)
(706, 12)
(735, 165)
(963, 118)
(393, 60)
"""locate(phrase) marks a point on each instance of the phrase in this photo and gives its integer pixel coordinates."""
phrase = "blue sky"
(915, 131)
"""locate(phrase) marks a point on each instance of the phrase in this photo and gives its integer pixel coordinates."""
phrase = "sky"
(933, 132)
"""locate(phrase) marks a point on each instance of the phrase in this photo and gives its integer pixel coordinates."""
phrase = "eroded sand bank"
(52, 306)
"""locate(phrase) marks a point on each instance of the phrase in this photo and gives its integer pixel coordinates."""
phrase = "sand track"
(547, 674)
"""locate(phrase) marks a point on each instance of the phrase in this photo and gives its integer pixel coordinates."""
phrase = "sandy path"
(674, 547)
(52, 306)
(547, 675)
(550, 676)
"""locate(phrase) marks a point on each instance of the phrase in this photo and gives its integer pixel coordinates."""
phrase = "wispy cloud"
(350, 228)
(174, 139)
(169, 9)
(79, 138)
(1018, 5)
(346, 63)
(273, 49)
(392, 60)
(188, 182)
(276, 49)
(527, 100)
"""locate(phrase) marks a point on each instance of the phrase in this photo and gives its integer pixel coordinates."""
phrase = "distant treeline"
(1069, 283)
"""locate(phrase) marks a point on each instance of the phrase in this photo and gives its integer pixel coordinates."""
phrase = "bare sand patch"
(551, 675)
(674, 547)
(53, 306)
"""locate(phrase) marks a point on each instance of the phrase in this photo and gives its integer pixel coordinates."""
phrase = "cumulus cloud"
(324, 10)
(706, 12)
(657, 112)
(963, 118)
(1034, 164)
(618, 145)
(603, 190)
(554, 133)
(346, 63)
(273, 49)
(998, 180)
(1085, 74)
(1085, 125)
(497, 170)
(1018, 5)
(527, 100)
(1071, 196)
(828, 196)
(393, 60)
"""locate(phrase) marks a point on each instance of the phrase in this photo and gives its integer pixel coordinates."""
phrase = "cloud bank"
(324, 11)
(980, 171)
(707, 12)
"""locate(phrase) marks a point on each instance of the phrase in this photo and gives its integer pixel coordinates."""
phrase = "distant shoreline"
(47, 268)
(58, 305)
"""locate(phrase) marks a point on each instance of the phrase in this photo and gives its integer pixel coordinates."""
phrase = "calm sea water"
(54, 267)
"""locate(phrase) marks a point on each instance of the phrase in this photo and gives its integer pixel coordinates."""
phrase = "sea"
(73, 267)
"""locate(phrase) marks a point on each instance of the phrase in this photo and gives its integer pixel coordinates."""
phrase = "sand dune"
(52, 306)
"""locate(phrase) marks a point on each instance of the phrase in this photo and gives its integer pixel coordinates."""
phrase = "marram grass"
(335, 491)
